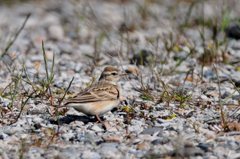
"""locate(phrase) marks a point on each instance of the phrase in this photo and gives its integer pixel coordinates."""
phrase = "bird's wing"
(98, 92)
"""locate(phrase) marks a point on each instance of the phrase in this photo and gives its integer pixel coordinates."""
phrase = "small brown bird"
(100, 97)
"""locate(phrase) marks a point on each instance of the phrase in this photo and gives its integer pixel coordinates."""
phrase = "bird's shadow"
(70, 118)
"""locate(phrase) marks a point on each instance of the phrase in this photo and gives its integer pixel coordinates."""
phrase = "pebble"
(96, 128)
(4, 102)
(136, 126)
(65, 48)
(68, 136)
(56, 32)
(109, 150)
(233, 31)
(90, 155)
(3, 136)
(152, 131)
(161, 141)
(205, 147)
(234, 156)
(143, 146)
(73, 32)
(113, 138)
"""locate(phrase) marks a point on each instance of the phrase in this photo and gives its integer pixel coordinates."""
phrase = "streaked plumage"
(100, 97)
(96, 100)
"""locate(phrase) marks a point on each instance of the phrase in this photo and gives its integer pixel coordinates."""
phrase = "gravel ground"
(182, 89)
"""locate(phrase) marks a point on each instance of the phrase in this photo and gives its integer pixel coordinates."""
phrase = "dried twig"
(11, 42)
(60, 102)
(23, 103)
(224, 122)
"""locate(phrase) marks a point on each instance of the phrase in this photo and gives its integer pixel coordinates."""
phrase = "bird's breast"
(94, 108)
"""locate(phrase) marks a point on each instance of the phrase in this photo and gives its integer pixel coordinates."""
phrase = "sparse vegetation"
(184, 88)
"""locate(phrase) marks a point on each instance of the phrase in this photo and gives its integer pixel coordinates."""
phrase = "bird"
(99, 98)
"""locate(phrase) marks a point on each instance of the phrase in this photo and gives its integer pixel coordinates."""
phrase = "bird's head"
(110, 74)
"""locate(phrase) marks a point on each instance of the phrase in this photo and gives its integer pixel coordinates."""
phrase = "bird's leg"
(105, 125)
(99, 119)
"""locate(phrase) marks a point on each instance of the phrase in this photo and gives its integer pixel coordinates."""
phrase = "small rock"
(34, 152)
(78, 67)
(86, 49)
(234, 156)
(37, 109)
(143, 146)
(112, 138)
(237, 83)
(69, 152)
(68, 136)
(225, 95)
(136, 126)
(205, 147)
(3, 136)
(109, 150)
(4, 102)
(152, 131)
(88, 137)
(233, 31)
(13, 130)
(37, 125)
(236, 97)
(96, 128)
(188, 151)
(56, 32)
(161, 141)
(65, 48)
(90, 154)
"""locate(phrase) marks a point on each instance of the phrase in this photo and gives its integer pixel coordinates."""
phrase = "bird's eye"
(114, 73)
